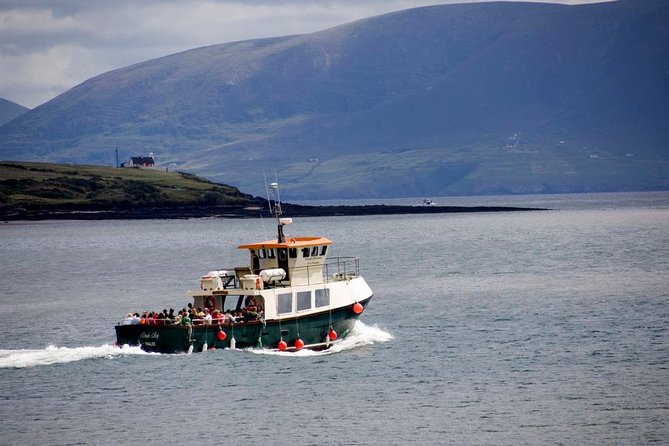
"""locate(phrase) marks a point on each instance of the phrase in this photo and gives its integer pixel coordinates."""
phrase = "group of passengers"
(198, 316)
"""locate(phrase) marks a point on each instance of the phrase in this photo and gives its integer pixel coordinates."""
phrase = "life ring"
(210, 302)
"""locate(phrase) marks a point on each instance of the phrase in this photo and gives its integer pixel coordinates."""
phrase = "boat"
(290, 296)
(427, 202)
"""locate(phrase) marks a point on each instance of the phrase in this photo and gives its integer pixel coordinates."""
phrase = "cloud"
(50, 48)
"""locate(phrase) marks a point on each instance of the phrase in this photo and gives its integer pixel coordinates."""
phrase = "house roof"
(142, 159)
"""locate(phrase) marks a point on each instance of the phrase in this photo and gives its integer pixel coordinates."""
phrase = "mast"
(277, 212)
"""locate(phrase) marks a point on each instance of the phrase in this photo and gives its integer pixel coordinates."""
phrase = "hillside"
(29, 190)
(10, 110)
(453, 99)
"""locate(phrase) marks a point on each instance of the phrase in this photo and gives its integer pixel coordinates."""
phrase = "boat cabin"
(285, 275)
(295, 261)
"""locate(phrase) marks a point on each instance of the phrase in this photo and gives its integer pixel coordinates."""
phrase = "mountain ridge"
(441, 100)
(10, 110)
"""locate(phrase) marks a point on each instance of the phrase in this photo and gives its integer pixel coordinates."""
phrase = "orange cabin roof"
(291, 242)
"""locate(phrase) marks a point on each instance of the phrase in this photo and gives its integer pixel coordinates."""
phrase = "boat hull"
(312, 329)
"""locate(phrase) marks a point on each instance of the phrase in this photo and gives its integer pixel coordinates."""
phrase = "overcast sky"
(49, 46)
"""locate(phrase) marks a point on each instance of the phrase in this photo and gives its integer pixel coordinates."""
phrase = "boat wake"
(60, 355)
(359, 336)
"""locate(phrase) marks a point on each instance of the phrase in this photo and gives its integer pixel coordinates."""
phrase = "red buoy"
(282, 345)
(357, 308)
(221, 335)
(332, 335)
(299, 344)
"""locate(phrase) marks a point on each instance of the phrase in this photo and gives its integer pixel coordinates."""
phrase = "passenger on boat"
(207, 317)
(239, 316)
(127, 320)
(185, 320)
(136, 319)
(249, 315)
(217, 316)
(261, 312)
(250, 301)
(229, 317)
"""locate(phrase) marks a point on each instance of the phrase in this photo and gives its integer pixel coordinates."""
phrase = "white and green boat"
(297, 296)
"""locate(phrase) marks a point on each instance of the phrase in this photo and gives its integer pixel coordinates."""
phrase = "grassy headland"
(44, 190)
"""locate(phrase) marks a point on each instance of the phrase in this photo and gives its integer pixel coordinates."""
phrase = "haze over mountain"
(443, 100)
(10, 110)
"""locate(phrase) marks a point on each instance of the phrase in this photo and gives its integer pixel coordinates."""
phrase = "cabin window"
(271, 253)
(305, 252)
(303, 300)
(284, 303)
(282, 254)
(261, 253)
(324, 250)
(314, 251)
(292, 253)
(322, 297)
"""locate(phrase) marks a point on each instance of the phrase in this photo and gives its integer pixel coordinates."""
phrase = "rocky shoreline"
(234, 211)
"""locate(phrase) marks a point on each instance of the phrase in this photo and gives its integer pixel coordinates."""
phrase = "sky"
(50, 46)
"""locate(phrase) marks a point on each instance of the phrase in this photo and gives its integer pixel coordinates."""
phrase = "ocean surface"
(513, 328)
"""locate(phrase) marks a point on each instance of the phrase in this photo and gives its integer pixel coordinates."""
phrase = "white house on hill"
(140, 161)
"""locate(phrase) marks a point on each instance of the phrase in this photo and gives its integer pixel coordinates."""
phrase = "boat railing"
(341, 268)
(333, 270)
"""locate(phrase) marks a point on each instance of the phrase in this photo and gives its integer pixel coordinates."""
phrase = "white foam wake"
(59, 355)
(359, 336)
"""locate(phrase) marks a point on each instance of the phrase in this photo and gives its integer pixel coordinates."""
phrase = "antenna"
(277, 200)
(276, 211)
(269, 201)
(276, 181)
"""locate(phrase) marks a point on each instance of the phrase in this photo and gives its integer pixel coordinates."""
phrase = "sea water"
(544, 327)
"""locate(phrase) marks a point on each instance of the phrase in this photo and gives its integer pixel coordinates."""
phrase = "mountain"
(477, 98)
(10, 110)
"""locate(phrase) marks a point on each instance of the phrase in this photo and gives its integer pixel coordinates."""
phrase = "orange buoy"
(332, 335)
(282, 345)
(357, 308)
(299, 344)
(221, 335)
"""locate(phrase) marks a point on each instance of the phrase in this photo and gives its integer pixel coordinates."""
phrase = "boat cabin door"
(282, 256)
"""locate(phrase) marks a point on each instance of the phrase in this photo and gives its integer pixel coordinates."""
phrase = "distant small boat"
(428, 202)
